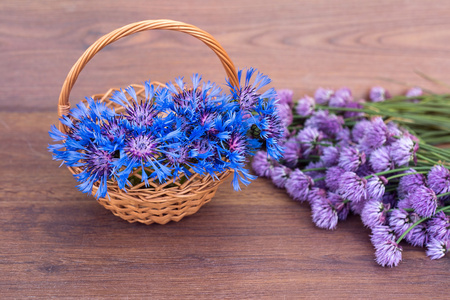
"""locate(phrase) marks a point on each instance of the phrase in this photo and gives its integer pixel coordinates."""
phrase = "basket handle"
(64, 105)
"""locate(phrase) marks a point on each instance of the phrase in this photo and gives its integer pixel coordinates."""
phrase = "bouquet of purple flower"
(342, 157)
(172, 132)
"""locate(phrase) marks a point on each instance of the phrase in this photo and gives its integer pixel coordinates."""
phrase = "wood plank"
(57, 242)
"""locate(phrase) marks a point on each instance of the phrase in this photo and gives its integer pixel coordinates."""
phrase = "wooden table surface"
(57, 242)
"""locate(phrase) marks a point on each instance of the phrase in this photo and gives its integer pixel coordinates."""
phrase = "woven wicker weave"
(156, 203)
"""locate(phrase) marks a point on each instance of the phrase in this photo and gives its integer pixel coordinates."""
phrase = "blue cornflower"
(97, 167)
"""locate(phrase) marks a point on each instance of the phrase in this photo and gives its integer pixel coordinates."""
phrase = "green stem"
(418, 222)
(442, 195)
(319, 179)
(314, 169)
(426, 158)
(397, 170)
(404, 174)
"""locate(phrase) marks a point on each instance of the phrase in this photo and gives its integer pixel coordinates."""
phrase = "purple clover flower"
(354, 114)
(380, 234)
(357, 207)
(316, 174)
(378, 94)
(374, 213)
(262, 164)
(333, 177)
(305, 106)
(343, 137)
(388, 254)
(340, 205)
(439, 226)
(280, 175)
(364, 170)
(330, 156)
(400, 221)
(285, 113)
(439, 179)
(322, 96)
(409, 183)
(341, 97)
(350, 159)
(403, 151)
(308, 137)
(380, 160)
(376, 186)
(324, 214)
(330, 124)
(292, 152)
(352, 187)
(285, 96)
(359, 130)
(437, 248)
(375, 135)
(424, 201)
(414, 92)
(418, 236)
(298, 185)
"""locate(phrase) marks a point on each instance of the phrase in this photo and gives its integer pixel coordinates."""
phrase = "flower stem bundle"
(370, 158)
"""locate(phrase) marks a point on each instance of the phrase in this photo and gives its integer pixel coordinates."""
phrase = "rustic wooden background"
(56, 242)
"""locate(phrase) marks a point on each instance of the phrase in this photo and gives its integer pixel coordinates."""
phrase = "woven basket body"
(154, 203)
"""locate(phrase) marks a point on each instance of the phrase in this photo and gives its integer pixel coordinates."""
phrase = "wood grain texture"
(57, 242)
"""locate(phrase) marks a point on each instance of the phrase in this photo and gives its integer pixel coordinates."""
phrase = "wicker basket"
(157, 203)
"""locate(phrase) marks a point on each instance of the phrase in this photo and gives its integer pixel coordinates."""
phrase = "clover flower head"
(323, 95)
(352, 187)
(324, 214)
(351, 158)
(439, 179)
(285, 96)
(305, 106)
(378, 94)
(437, 248)
(424, 201)
(439, 226)
(388, 254)
(298, 185)
(374, 213)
